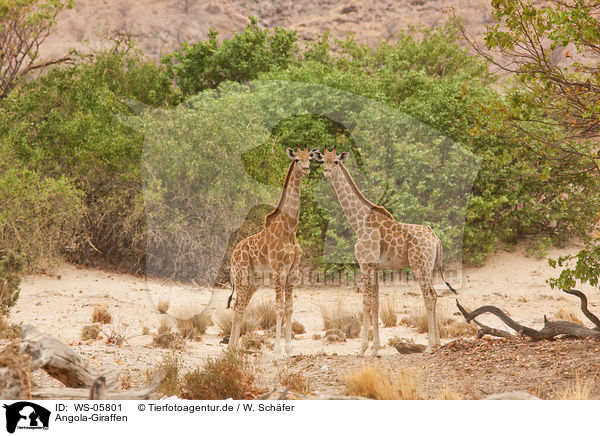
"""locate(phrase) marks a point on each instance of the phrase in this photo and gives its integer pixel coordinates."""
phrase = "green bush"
(63, 129)
(206, 64)
(10, 267)
(39, 216)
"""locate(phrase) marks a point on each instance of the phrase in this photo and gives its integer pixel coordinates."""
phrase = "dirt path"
(62, 305)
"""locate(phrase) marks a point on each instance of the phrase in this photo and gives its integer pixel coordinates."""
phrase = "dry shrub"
(317, 336)
(298, 328)
(579, 391)
(163, 305)
(335, 335)
(228, 376)
(388, 313)
(374, 382)
(253, 341)
(101, 315)
(448, 326)
(264, 313)
(90, 332)
(190, 324)
(168, 340)
(341, 319)
(145, 330)
(224, 321)
(295, 382)
(9, 331)
(170, 384)
(567, 315)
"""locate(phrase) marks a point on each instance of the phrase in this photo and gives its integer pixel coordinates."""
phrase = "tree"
(24, 26)
(552, 52)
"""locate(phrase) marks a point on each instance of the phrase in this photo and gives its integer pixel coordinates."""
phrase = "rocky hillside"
(160, 26)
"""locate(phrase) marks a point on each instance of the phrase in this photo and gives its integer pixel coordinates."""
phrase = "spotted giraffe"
(272, 250)
(384, 243)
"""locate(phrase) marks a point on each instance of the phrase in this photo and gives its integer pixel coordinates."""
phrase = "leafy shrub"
(241, 58)
(39, 216)
(586, 269)
(61, 133)
(10, 267)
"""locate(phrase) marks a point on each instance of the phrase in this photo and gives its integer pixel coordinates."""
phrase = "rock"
(514, 395)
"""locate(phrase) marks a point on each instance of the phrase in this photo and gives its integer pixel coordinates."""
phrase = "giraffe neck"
(288, 207)
(354, 204)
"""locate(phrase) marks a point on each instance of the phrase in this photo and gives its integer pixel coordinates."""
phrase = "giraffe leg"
(430, 298)
(289, 295)
(289, 300)
(375, 315)
(241, 302)
(367, 288)
(279, 312)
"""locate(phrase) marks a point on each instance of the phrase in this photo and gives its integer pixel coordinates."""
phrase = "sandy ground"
(62, 305)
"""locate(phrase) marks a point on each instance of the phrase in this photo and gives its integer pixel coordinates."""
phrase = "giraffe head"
(330, 161)
(302, 157)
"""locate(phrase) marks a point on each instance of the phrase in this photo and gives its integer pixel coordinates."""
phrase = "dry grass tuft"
(317, 336)
(295, 382)
(228, 376)
(567, 315)
(253, 341)
(163, 305)
(101, 315)
(388, 313)
(224, 321)
(374, 382)
(449, 327)
(335, 335)
(164, 326)
(171, 367)
(298, 328)
(90, 332)
(580, 391)
(341, 319)
(168, 340)
(264, 313)
(9, 331)
(192, 325)
(447, 394)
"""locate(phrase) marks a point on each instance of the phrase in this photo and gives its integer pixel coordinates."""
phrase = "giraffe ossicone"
(384, 243)
(274, 250)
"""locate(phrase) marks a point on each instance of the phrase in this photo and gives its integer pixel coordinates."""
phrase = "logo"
(26, 415)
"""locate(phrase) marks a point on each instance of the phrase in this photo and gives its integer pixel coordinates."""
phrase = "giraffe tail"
(232, 290)
(439, 264)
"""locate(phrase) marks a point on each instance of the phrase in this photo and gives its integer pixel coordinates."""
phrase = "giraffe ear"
(317, 156)
(291, 153)
(313, 153)
(343, 156)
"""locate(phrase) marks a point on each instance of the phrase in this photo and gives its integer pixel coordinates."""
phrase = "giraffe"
(274, 249)
(384, 243)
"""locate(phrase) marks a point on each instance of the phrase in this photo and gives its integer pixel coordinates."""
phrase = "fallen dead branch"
(551, 329)
(35, 351)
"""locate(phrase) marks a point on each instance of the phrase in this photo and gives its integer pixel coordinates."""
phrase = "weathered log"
(60, 361)
(38, 351)
(584, 303)
(148, 392)
(483, 329)
(550, 331)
